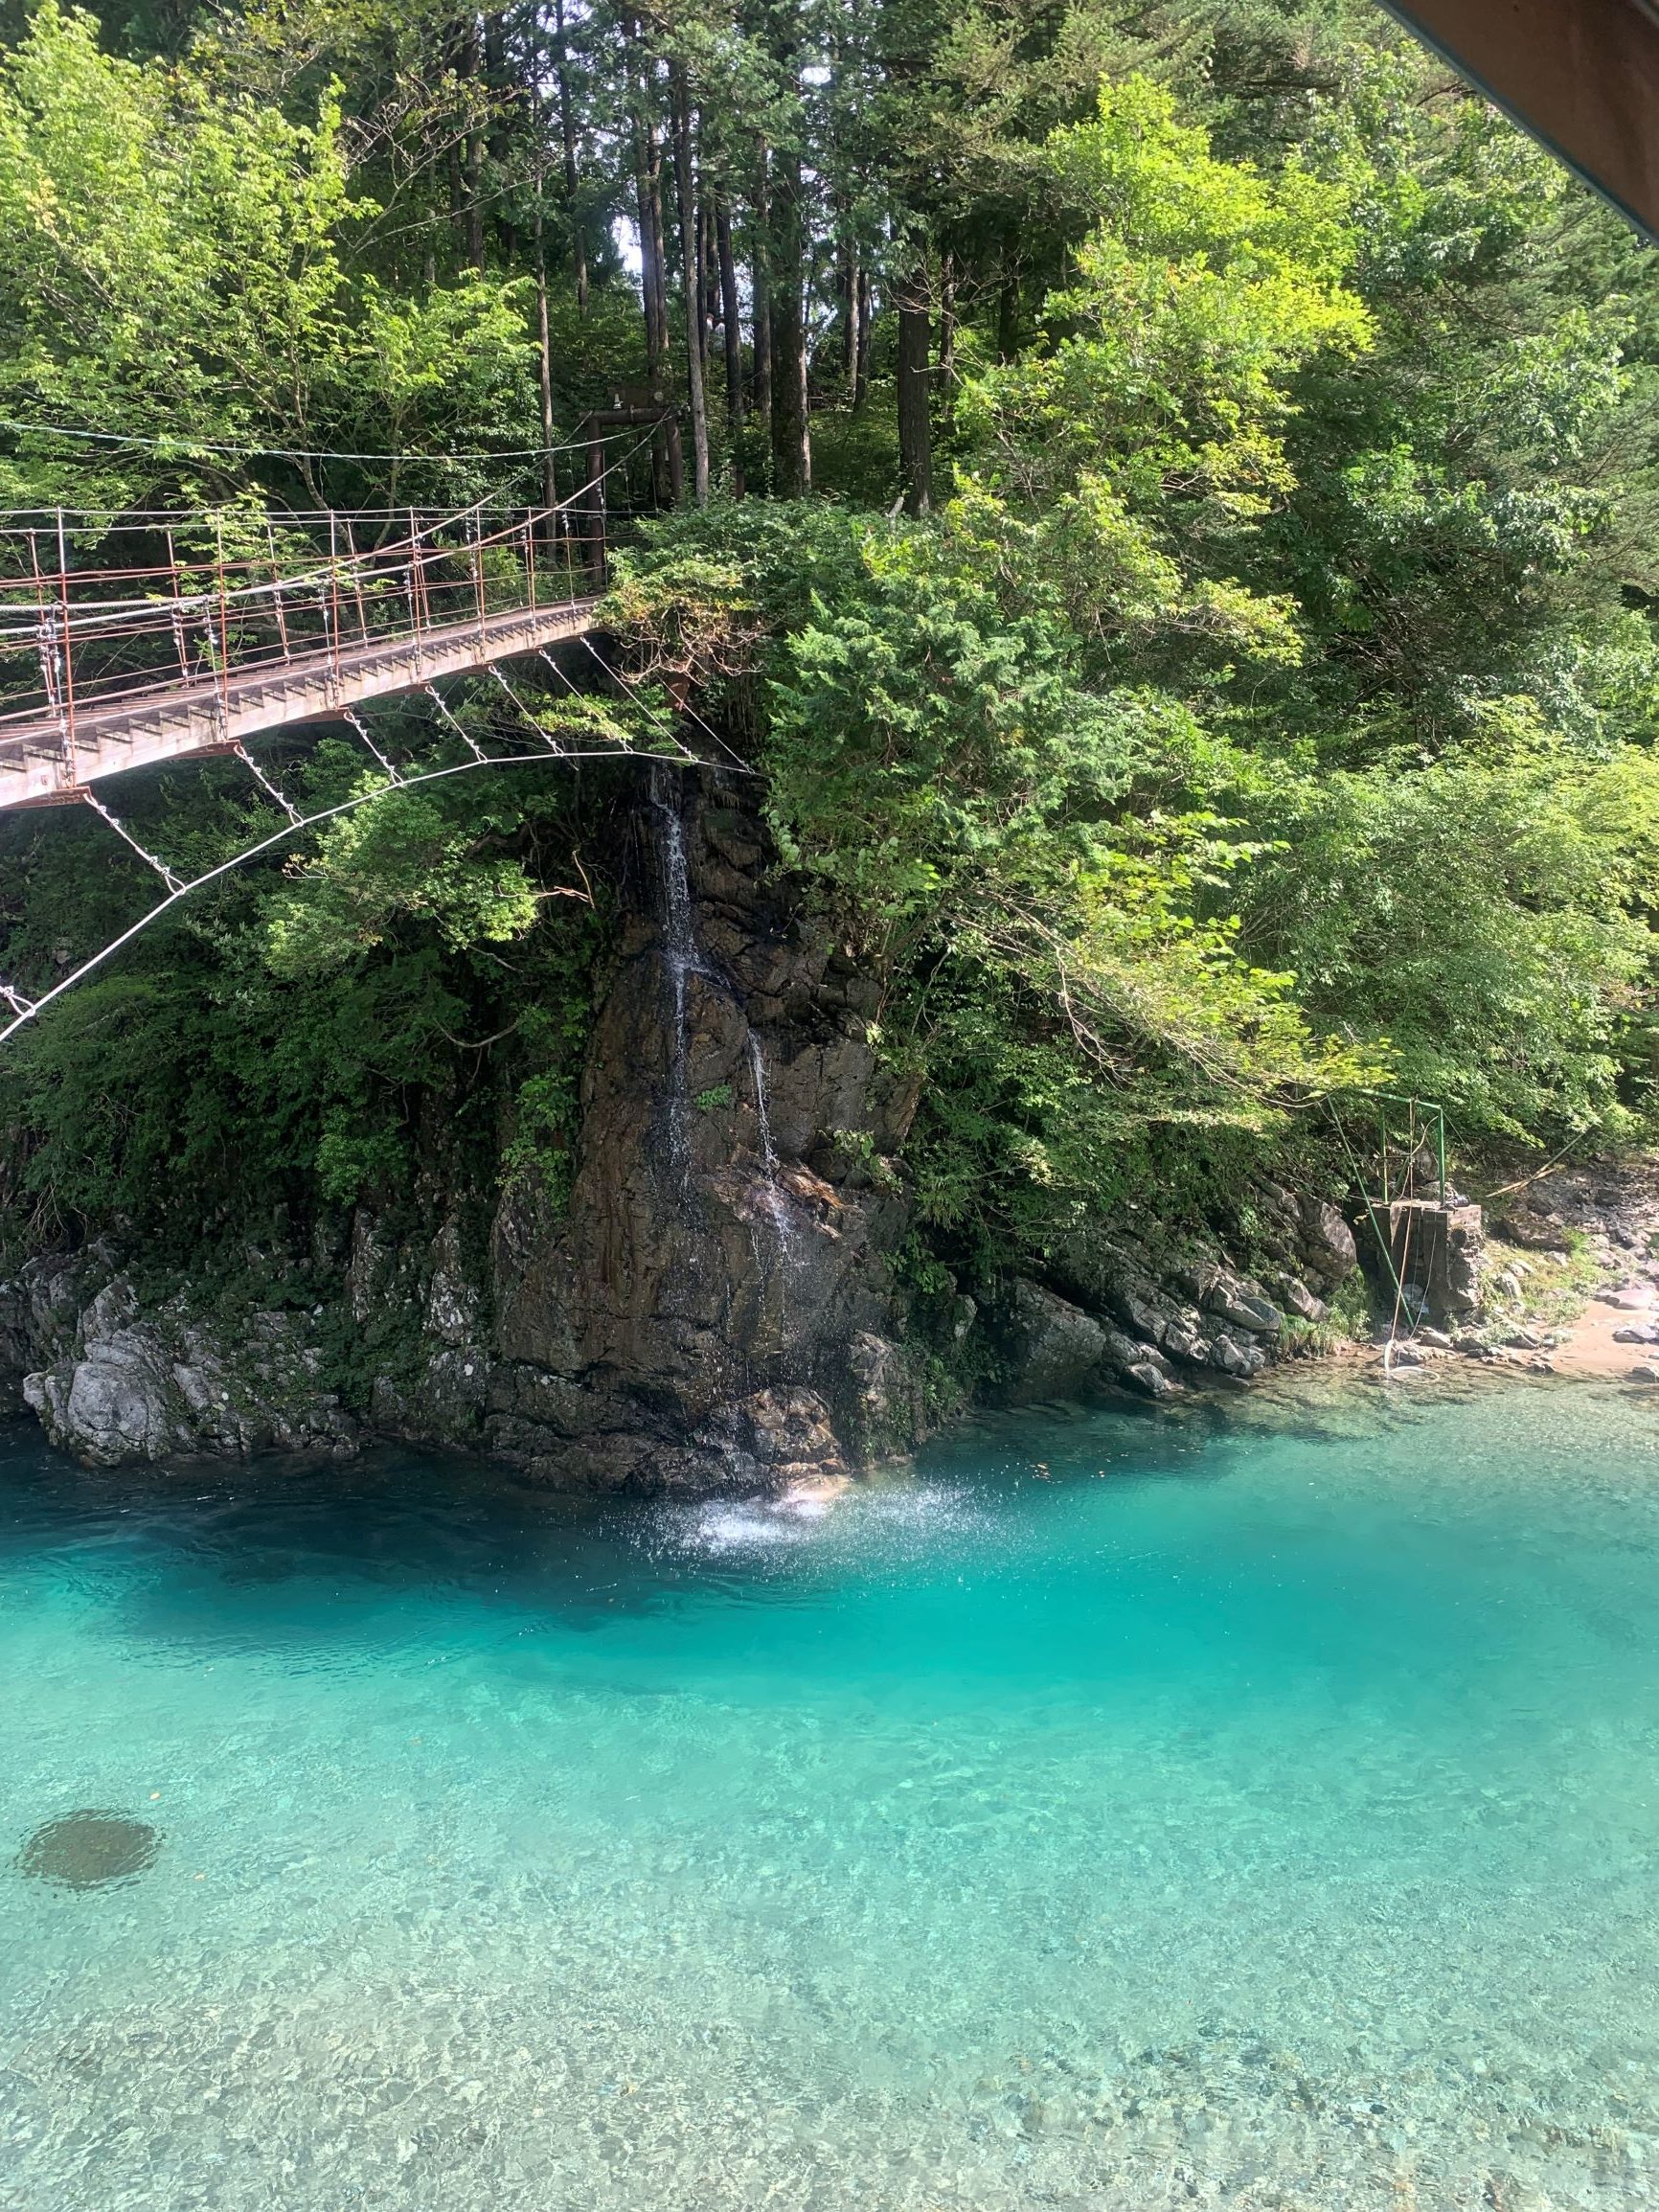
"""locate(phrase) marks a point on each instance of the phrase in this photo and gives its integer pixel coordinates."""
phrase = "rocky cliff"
(707, 1302)
(711, 1308)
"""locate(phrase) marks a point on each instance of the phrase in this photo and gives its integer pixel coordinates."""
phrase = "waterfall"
(777, 1202)
(682, 959)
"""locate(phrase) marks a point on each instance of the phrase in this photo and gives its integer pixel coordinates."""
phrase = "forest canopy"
(1164, 496)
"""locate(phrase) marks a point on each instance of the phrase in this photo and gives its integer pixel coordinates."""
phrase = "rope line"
(35, 1007)
(184, 448)
(122, 830)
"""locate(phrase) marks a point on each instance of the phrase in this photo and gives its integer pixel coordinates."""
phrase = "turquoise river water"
(1252, 1810)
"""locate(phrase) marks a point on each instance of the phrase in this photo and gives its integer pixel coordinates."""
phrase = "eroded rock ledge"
(713, 1307)
(1114, 1310)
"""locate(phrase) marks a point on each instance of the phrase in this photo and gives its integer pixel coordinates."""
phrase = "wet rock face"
(711, 1309)
(724, 1247)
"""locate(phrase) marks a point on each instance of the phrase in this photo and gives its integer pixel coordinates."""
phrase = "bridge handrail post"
(225, 626)
(335, 587)
(477, 523)
(277, 592)
(414, 575)
(356, 579)
(179, 628)
(68, 645)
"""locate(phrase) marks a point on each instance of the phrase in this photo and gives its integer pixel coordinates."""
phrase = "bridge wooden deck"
(51, 761)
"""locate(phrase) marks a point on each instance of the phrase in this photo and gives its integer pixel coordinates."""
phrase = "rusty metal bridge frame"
(191, 633)
(295, 617)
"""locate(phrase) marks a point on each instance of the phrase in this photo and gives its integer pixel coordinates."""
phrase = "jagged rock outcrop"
(1119, 1309)
(712, 1309)
(709, 1306)
(122, 1383)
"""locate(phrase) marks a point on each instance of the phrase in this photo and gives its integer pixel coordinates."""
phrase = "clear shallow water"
(1120, 1814)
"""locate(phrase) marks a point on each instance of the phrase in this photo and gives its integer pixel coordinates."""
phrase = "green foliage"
(175, 264)
(1267, 707)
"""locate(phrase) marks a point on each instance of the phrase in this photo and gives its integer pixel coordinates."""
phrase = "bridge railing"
(100, 615)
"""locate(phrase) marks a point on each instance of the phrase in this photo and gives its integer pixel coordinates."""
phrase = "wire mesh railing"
(103, 615)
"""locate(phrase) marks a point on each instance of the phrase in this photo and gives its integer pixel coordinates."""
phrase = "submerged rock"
(86, 1850)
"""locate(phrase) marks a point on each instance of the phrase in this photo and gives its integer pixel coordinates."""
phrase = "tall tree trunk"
(948, 340)
(572, 168)
(852, 307)
(761, 297)
(915, 423)
(475, 200)
(473, 158)
(1008, 300)
(791, 431)
(866, 325)
(666, 465)
(731, 325)
(691, 284)
(499, 140)
(549, 490)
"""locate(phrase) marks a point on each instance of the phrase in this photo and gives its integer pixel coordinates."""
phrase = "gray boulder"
(1052, 1348)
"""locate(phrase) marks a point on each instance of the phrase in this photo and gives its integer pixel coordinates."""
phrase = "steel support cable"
(346, 714)
(467, 739)
(122, 830)
(545, 735)
(739, 765)
(183, 448)
(265, 782)
(87, 968)
(685, 753)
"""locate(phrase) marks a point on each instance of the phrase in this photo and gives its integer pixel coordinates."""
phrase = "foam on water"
(1123, 1813)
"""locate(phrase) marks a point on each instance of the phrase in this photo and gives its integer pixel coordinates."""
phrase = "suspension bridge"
(193, 633)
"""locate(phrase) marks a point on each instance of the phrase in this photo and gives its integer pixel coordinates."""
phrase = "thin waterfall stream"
(682, 959)
(777, 1202)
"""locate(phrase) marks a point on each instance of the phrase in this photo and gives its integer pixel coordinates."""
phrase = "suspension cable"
(183, 448)
(632, 686)
(122, 830)
(467, 739)
(346, 714)
(259, 777)
(35, 1007)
